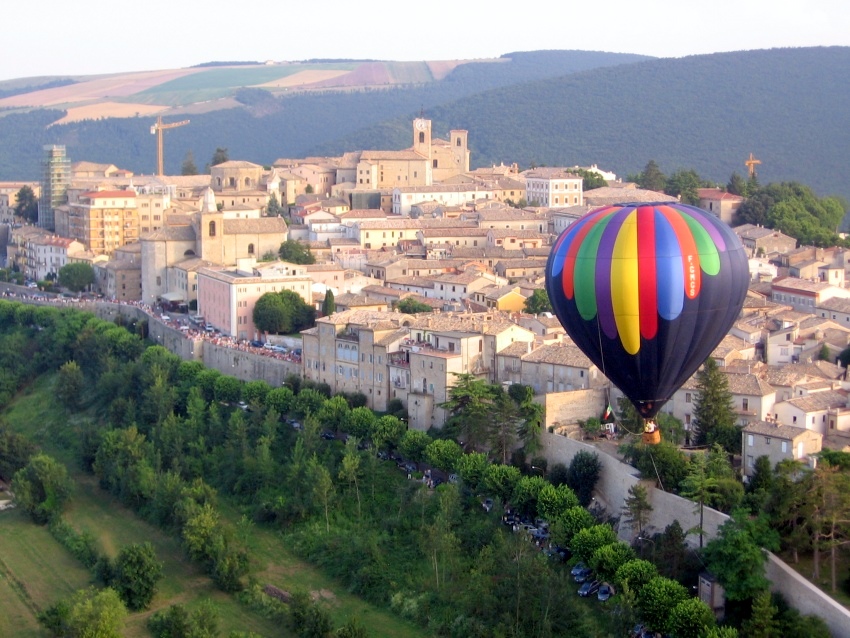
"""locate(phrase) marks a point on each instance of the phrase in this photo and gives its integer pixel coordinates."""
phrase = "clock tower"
(422, 136)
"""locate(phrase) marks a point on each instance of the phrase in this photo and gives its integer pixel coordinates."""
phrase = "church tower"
(210, 230)
(422, 136)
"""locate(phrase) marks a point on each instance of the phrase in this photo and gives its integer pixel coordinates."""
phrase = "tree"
(591, 180)
(736, 556)
(413, 444)
(76, 276)
(26, 204)
(736, 185)
(608, 559)
(657, 599)
(295, 252)
(582, 475)
(637, 508)
(42, 488)
(283, 312)
(690, 618)
(328, 305)
(651, 178)
(501, 480)
(713, 417)
(443, 454)
(189, 167)
(219, 157)
(350, 469)
(273, 208)
(570, 523)
(635, 574)
(538, 302)
(762, 622)
(411, 306)
(699, 486)
(70, 384)
(469, 405)
(684, 185)
(586, 541)
(136, 573)
(89, 613)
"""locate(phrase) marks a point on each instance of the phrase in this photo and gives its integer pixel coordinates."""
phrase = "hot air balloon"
(647, 291)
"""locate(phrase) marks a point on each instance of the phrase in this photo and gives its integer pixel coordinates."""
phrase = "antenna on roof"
(422, 112)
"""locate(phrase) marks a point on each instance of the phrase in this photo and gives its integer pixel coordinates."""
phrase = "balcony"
(398, 359)
(349, 336)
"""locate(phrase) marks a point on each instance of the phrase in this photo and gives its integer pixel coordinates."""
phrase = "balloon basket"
(651, 438)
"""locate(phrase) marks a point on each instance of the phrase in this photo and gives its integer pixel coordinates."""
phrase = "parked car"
(256, 343)
(577, 568)
(487, 504)
(589, 588)
(453, 478)
(583, 575)
(327, 435)
(605, 592)
(383, 455)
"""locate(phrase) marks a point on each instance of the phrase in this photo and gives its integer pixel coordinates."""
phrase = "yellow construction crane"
(157, 130)
(751, 165)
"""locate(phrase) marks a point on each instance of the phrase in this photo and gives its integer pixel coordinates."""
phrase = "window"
(767, 440)
(421, 137)
(785, 447)
(745, 404)
(250, 249)
(749, 460)
(687, 397)
(749, 440)
(435, 163)
(212, 229)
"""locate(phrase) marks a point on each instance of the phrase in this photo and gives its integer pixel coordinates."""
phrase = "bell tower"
(422, 136)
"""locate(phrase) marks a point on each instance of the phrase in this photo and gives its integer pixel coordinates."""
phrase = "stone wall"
(563, 408)
(612, 490)
(243, 365)
(248, 366)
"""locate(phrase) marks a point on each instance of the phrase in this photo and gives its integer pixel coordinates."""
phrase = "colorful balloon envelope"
(647, 291)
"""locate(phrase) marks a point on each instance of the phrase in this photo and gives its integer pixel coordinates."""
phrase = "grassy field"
(114, 525)
(35, 572)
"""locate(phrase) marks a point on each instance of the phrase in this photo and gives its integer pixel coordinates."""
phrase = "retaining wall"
(612, 490)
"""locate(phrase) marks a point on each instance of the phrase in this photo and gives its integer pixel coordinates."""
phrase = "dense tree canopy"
(296, 252)
(76, 276)
(26, 204)
(283, 312)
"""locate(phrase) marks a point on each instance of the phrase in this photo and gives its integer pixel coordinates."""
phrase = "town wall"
(612, 490)
(562, 408)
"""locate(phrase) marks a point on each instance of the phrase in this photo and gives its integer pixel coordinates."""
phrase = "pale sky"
(85, 37)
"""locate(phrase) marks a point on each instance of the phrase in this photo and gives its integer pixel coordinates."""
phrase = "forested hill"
(266, 126)
(708, 112)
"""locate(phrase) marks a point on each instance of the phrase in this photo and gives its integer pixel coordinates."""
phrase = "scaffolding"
(55, 178)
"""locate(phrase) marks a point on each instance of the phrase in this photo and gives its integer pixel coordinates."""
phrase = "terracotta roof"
(259, 225)
(371, 156)
(108, 194)
(749, 384)
(773, 430)
(237, 164)
(715, 194)
(820, 401)
(559, 354)
(800, 285)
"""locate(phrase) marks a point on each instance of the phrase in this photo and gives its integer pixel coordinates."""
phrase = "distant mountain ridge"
(706, 112)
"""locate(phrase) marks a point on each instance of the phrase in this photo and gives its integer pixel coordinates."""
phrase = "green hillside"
(703, 112)
(299, 124)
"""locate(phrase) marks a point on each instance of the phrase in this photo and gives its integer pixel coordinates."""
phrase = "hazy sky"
(83, 37)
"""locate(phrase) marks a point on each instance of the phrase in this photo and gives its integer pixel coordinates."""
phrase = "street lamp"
(541, 469)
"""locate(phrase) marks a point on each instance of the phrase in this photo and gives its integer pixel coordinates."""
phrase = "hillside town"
(418, 224)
